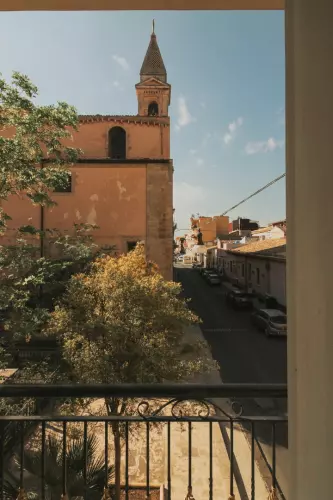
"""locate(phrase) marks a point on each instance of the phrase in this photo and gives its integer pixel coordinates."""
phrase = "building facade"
(210, 227)
(275, 230)
(258, 266)
(123, 181)
(243, 224)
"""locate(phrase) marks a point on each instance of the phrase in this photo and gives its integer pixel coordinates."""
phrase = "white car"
(272, 321)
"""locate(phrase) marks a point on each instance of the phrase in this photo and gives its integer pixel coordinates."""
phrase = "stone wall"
(159, 239)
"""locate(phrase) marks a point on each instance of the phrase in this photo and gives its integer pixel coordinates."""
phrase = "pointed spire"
(153, 64)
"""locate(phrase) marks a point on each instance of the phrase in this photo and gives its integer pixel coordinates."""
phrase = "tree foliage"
(126, 323)
(30, 135)
(34, 159)
(25, 274)
(123, 323)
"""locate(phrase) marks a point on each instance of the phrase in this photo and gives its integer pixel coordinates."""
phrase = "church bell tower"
(153, 91)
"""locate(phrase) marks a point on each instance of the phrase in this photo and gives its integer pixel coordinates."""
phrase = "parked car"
(213, 279)
(205, 272)
(272, 321)
(239, 299)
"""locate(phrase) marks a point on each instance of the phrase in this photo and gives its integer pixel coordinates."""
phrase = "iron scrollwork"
(199, 408)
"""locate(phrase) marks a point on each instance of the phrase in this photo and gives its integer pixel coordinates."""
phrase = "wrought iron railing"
(213, 425)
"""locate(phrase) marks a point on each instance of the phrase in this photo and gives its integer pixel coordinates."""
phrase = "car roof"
(273, 312)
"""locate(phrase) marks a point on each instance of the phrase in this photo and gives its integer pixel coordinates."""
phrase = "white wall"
(272, 280)
(271, 234)
(278, 281)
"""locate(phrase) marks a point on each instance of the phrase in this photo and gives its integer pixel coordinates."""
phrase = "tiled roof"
(262, 230)
(153, 64)
(263, 246)
(229, 237)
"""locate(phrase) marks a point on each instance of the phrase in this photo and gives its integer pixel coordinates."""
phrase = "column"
(309, 51)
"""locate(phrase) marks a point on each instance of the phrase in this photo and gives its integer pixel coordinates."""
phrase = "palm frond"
(76, 463)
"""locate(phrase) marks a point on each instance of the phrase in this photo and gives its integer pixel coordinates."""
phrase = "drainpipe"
(41, 241)
(268, 271)
(41, 226)
(42, 230)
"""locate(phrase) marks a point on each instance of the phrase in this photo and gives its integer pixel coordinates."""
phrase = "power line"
(246, 199)
(255, 193)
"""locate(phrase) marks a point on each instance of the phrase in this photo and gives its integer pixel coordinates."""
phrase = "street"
(245, 355)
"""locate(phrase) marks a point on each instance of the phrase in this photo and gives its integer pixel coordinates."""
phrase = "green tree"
(33, 157)
(126, 323)
(25, 274)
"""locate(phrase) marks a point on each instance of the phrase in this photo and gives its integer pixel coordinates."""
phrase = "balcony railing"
(161, 441)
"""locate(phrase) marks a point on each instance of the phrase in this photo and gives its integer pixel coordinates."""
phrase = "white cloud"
(117, 85)
(270, 145)
(192, 151)
(232, 129)
(121, 61)
(227, 138)
(200, 162)
(184, 116)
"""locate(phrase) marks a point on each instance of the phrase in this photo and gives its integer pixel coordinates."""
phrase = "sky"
(227, 71)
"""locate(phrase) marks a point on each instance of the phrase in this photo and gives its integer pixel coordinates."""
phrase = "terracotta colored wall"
(128, 202)
(22, 212)
(111, 196)
(159, 241)
(142, 141)
(222, 224)
(208, 228)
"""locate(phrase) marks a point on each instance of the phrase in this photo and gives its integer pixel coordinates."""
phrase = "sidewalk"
(158, 456)
(242, 450)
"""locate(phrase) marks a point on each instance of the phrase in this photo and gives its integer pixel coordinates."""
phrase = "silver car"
(272, 321)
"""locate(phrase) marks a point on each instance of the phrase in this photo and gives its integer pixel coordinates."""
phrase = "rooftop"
(150, 120)
(153, 64)
(274, 246)
(229, 237)
(262, 230)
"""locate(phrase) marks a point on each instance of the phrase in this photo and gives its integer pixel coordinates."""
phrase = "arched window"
(117, 143)
(153, 109)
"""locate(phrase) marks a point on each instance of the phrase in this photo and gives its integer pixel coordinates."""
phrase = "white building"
(274, 231)
(259, 266)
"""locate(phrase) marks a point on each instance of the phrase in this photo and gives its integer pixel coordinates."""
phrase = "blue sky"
(227, 72)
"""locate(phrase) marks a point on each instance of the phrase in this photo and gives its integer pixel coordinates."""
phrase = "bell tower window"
(117, 143)
(153, 109)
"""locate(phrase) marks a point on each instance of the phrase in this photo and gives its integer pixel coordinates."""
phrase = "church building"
(123, 181)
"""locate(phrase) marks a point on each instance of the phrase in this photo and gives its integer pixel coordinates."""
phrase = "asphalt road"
(244, 354)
